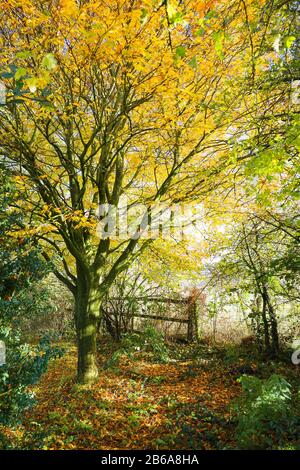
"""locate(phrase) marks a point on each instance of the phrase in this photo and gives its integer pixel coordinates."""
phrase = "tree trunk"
(87, 370)
(266, 325)
(273, 323)
(87, 312)
(256, 321)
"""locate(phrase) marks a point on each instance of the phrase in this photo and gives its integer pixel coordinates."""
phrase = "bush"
(24, 366)
(264, 412)
(153, 341)
(150, 340)
(47, 309)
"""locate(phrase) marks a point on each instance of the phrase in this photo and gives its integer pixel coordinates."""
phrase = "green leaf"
(32, 84)
(144, 15)
(23, 55)
(180, 51)
(174, 16)
(211, 14)
(193, 62)
(200, 32)
(219, 37)
(288, 41)
(20, 73)
(49, 62)
(7, 75)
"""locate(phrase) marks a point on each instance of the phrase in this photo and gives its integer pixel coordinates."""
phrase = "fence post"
(191, 317)
(197, 321)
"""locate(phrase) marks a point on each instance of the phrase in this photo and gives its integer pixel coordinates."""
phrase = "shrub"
(24, 366)
(150, 340)
(264, 413)
(153, 341)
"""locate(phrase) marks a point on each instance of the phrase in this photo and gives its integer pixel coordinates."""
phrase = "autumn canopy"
(143, 98)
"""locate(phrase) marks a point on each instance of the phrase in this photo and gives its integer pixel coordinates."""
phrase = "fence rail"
(189, 302)
(156, 299)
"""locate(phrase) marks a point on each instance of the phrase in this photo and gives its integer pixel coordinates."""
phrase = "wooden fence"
(189, 317)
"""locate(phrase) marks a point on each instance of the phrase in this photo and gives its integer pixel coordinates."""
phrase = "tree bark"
(87, 370)
(273, 323)
(87, 312)
(266, 325)
(256, 321)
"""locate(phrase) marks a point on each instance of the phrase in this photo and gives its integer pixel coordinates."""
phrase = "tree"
(119, 98)
(254, 262)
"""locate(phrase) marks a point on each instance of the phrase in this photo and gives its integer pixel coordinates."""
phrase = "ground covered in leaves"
(136, 404)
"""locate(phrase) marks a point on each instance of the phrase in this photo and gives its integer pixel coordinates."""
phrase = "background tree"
(256, 276)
